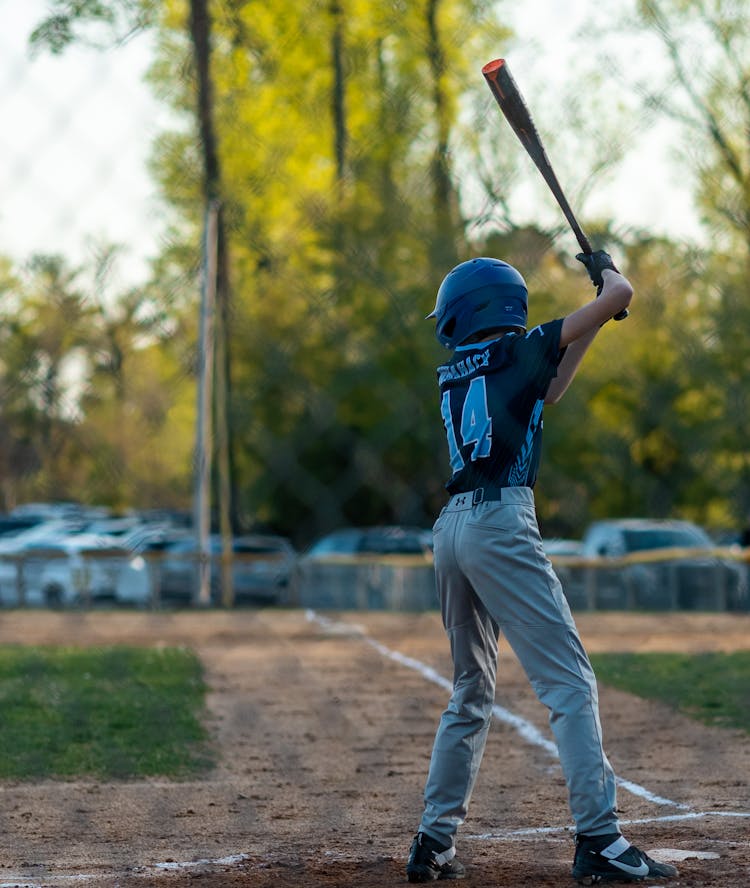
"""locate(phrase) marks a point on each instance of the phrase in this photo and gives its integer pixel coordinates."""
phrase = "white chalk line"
(504, 835)
(524, 728)
(528, 731)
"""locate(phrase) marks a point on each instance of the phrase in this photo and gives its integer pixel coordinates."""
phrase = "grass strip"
(112, 712)
(711, 687)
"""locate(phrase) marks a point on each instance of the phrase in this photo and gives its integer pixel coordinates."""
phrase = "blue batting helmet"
(480, 294)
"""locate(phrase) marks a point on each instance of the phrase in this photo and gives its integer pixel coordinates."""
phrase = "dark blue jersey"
(491, 399)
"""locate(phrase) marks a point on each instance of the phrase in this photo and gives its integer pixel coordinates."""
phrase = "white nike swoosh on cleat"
(642, 870)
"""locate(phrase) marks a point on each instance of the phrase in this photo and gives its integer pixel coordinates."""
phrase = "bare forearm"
(568, 366)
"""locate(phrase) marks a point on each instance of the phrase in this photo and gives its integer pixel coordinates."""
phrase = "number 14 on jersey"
(470, 416)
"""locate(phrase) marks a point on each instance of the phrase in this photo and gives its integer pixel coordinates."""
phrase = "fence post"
(20, 580)
(589, 587)
(674, 586)
(153, 565)
(721, 588)
(204, 431)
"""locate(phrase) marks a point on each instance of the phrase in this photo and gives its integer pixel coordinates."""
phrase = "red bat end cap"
(493, 66)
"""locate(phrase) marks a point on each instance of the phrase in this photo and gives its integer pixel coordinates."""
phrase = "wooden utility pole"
(200, 33)
(204, 430)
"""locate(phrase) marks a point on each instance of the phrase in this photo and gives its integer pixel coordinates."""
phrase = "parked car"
(736, 538)
(262, 567)
(47, 555)
(380, 567)
(559, 550)
(78, 513)
(10, 525)
(56, 569)
(679, 568)
(93, 569)
(559, 546)
(379, 540)
(22, 559)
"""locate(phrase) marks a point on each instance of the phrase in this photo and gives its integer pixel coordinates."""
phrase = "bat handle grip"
(621, 315)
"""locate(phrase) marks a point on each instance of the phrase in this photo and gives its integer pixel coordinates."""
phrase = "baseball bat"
(508, 97)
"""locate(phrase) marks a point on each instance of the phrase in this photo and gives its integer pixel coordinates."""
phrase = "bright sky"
(650, 188)
(77, 131)
(74, 145)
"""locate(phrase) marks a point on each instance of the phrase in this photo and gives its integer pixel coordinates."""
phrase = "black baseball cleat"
(429, 860)
(611, 858)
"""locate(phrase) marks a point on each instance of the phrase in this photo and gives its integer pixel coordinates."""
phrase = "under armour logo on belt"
(461, 501)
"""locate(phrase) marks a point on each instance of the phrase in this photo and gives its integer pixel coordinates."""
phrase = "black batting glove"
(595, 264)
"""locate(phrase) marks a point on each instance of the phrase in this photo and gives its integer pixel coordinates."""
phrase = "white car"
(667, 564)
(22, 558)
(49, 565)
(92, 568)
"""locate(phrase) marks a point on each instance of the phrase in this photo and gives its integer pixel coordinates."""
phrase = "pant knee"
(472, 700)
(568, 700)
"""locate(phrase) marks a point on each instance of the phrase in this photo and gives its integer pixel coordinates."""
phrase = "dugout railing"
(674, 579)
(713, 579)
(694, 580)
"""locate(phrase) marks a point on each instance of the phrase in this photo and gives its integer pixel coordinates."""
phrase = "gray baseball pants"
(492, 575)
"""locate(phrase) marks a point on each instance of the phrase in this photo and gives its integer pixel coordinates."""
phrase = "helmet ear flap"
(448, 327)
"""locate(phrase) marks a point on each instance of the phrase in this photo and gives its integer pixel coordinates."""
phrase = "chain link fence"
(318, 406)
(264, 574)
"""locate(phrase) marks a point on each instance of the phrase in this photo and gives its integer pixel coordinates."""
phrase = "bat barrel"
(492, 66)
(508, 97)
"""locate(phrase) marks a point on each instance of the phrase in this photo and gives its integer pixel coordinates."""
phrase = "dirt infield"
(324, 734)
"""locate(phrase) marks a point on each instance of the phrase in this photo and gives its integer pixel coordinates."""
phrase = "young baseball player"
(492, 572)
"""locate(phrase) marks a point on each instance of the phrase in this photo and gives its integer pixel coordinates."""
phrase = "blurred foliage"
(712, 102)
(352, 179)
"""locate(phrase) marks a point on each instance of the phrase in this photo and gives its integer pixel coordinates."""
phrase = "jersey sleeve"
(540, 353)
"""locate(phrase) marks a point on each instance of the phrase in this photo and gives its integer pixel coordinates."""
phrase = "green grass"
(114, 712)
(711, 687)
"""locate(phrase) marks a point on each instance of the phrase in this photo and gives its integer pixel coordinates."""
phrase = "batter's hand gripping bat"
(511, 102)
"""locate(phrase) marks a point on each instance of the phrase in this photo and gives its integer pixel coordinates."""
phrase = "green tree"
(329, 127)
(17, 457)
(138, 402)
(711, 100)
(96, 394)
(45, 332)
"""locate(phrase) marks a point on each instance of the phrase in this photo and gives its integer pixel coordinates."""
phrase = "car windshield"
(343, 543)
(373, 541)
(392, 544)
(662, 538)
